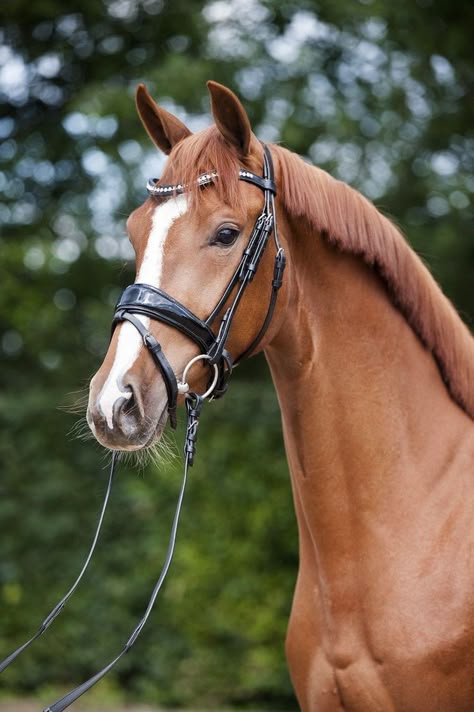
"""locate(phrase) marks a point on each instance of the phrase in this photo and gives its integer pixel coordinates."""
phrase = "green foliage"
(379, 95)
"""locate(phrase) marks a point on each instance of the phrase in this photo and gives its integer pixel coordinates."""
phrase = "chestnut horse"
(374, 372)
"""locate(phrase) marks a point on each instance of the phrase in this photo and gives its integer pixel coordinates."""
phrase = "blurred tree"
(379, 95)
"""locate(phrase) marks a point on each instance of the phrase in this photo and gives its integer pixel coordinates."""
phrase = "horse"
(374, 373)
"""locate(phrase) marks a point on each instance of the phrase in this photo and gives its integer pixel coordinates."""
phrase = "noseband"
(146, 300)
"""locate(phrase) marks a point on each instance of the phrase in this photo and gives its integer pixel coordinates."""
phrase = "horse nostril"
(135, 400)
(129, 405)
(125, 413)
(121, 407)
(128, 412)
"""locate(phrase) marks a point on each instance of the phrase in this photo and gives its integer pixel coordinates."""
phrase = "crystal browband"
(206, 179)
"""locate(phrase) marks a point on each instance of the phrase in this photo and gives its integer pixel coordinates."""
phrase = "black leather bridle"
(146, 300)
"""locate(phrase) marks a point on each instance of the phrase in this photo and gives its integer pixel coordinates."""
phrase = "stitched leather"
(159, 358)
(157, 304)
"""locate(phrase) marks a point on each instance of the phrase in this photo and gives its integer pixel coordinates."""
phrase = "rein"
(149, 301)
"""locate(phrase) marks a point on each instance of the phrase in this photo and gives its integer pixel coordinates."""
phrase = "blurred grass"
(29, 705)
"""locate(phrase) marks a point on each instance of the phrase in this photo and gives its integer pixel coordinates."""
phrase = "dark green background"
(380, 94)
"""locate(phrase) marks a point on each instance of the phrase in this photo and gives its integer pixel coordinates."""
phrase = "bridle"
(149, 301)
(152, 302)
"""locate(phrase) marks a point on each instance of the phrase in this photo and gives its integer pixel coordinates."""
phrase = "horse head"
(198, 240)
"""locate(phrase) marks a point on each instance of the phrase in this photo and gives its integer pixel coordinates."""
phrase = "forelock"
(205, 152)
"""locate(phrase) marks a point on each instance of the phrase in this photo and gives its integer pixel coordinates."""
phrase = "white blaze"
(129, 341)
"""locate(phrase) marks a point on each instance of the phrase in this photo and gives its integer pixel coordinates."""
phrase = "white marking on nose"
(129, 341)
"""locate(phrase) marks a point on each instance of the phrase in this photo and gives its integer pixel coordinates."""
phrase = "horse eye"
(225, 237)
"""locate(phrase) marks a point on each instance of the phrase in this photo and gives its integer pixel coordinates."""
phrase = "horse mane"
(352, 224)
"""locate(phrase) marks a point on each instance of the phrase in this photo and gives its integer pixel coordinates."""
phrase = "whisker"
(79, 404)
(160, 453)
(77, 407)
(80, 430)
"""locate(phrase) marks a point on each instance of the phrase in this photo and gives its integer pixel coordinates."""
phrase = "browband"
(206, 179)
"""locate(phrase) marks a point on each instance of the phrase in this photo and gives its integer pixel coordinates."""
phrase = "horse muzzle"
(132, 418)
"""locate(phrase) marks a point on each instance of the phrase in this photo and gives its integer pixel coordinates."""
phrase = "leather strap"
(153, 302)
(262, 183)
(59, 607)
(159, 358)
(166, 191)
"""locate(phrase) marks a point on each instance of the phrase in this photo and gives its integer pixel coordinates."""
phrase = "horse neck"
(367, 421)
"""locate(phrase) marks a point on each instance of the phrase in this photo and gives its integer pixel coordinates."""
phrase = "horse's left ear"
(164, 129)
(230, 117)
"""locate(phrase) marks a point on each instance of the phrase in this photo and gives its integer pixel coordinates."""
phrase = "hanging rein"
(149, 301)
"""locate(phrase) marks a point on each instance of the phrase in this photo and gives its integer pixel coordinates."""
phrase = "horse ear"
(230, 117)
(164, 129)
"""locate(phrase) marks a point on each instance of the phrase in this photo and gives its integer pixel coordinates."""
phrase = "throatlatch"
(145, 300)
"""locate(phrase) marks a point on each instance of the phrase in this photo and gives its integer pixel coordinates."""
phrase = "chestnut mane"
(352, 224)
(349, 222)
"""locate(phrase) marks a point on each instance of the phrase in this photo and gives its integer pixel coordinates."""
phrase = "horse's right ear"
(164, 129)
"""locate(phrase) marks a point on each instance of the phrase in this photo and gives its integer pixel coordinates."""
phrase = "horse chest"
(367, 659)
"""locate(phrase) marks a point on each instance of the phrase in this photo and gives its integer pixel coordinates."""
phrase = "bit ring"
(183, 385)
